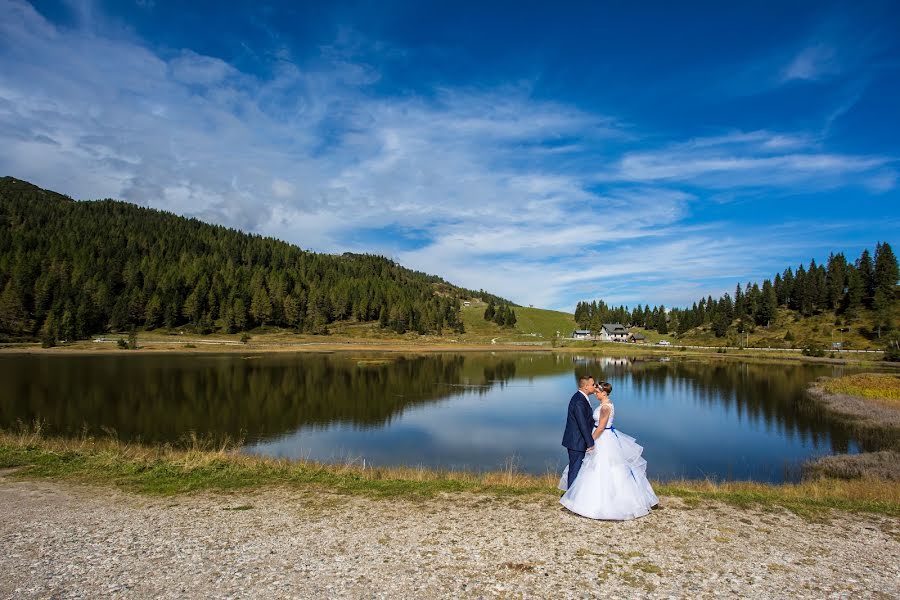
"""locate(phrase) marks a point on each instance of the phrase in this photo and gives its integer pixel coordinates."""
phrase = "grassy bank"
(882, 388)
(198, 466)
(869, 404)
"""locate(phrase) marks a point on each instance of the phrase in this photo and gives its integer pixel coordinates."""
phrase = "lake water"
(721, 419)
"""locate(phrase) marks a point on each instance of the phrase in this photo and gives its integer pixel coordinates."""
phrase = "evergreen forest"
(70, 269)
(848, 288)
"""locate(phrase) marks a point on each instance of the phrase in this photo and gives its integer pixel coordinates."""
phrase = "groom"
(579, 423)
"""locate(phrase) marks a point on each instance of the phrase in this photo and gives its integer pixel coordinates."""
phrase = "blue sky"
(635, 152)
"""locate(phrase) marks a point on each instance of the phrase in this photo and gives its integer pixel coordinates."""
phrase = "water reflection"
(715, 418)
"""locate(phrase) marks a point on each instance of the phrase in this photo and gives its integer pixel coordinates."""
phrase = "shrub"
(811, 349)
(892, 352)
(121, 343)
(245, 337)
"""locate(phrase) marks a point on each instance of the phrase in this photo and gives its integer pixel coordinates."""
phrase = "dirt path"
(62, 540)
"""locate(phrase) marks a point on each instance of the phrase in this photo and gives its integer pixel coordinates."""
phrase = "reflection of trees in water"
(765, 392)
(762, 392)
(161, 398)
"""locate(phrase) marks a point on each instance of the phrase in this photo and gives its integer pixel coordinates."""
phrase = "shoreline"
(873, 421)
(198, 466)
(189, 347)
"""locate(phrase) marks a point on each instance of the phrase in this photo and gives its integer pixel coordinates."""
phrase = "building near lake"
(581, 334)
(613, 332)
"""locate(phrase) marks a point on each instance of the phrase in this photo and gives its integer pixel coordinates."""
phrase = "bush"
(48, 341)
(811, 349)
(245, 337)
(121, 343)
(892, 352)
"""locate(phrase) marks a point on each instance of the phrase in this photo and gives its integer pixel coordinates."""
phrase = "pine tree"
(261, 306)
(490, 311)
(867, 275)
(855, 292)
(836, 279)
(662, 325)
(886, 271)
(787, 283)
(768, 305)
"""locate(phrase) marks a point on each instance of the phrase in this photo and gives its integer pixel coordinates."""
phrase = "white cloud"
(193, 68)
(282, 188)
(812, 63)
(752, 159)
(502, 189)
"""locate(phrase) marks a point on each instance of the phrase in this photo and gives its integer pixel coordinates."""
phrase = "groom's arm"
(585, 424)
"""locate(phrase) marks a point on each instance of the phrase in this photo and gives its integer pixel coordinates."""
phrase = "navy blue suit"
(577, 436)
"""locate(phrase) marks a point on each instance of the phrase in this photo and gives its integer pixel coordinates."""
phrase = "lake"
(722, 419)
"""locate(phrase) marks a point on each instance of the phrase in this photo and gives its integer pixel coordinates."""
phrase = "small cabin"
(581, 334)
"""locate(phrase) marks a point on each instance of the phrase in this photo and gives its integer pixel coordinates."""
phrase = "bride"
(612, 483)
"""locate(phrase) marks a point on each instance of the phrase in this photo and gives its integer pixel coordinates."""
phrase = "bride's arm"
(601, 424)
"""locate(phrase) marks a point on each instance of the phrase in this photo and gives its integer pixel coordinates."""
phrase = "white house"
(613, 332)
(581, 334)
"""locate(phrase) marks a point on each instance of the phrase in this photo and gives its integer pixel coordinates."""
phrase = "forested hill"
(70, 269)
(852, 291)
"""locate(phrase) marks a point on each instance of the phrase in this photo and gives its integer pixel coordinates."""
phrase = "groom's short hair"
(582, 381)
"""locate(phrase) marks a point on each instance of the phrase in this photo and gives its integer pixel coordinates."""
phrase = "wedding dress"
(612, 482)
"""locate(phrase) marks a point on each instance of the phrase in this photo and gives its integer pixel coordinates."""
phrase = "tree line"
(70, 269)
(840, 285)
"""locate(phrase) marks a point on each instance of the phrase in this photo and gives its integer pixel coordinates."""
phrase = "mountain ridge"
(69, 269)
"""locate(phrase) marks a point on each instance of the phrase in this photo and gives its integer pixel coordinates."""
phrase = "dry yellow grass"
(202, 464)
(876, 386)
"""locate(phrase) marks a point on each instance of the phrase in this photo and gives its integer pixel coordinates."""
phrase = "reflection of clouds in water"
(694, 420)
(473, 431)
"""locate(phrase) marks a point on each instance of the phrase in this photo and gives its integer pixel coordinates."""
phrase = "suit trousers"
(575, 459)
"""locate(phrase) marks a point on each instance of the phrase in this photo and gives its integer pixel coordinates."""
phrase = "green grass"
(202, 466)
(543, 323)
(820, 330)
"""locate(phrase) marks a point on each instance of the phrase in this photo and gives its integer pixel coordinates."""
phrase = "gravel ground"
(61, 540)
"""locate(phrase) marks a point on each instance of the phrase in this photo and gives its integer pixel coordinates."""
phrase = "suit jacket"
(579, 424)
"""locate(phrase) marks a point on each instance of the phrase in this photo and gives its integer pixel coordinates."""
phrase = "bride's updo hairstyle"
(605, 386)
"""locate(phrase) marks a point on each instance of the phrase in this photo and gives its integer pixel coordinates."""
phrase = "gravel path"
(61, 540)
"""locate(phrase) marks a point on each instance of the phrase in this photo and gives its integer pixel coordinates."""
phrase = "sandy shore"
(63, 540)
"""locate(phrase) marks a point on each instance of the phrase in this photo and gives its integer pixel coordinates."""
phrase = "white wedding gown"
(612, 482)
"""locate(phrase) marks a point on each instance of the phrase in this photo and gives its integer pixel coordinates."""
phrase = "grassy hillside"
(532, 325)
(819, 330)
